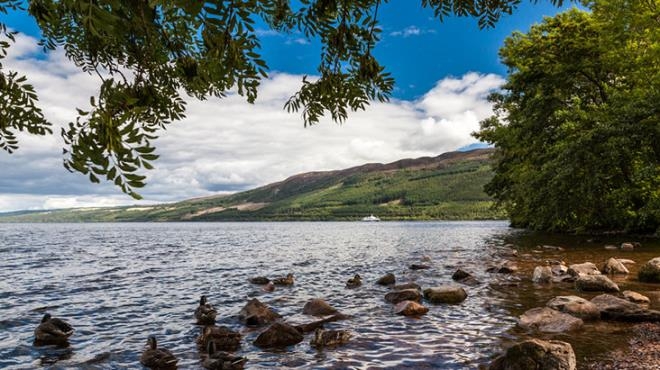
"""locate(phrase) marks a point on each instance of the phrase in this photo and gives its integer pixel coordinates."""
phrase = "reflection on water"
(118, 283)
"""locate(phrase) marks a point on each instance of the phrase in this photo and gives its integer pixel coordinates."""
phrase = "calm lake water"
(118, 283)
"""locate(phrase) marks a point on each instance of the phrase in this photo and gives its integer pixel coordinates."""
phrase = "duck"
(260, 280)
(222, 360)
(52, 330)
(224, 338)
(328, 338)
(205, 313)
(288, 280)
(354, 282)
(157, 358)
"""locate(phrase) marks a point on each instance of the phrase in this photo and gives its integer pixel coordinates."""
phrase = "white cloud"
(411, 31)
(228, 145)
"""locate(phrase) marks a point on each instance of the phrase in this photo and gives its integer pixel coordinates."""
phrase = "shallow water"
(118, 283)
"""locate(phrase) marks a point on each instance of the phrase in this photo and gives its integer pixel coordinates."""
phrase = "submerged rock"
(635, 297)
(613, 308)
(549, 321)
(537, 354)
(279, 334)
(583, 269)
(387, 279)
(464, 277)
(410, 308)
(255, 313)
(542, 275)
(650, 271)
(419, 266)
(595, 283)
(403, 295)
(306, 328)
(614, 266)
(318, 307)
(405, 286)
(575, 306)
(329, 338)
(445, 294)
(507, 267)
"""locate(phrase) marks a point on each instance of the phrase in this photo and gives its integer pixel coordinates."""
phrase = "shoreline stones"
(595, 283)
(445, 294)
(537, 354)
(410, 308)
(318, 307)
(575, 306)
(547, 320)
(542, 274)
(650, 271)
(403, 295)
(636, 297)
(387, 279)
(618, 309)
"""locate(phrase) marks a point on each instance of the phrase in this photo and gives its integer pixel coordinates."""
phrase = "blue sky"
(444, 71)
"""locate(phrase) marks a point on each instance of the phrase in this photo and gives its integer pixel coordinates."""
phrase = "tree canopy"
(577, 124)
(147, 53)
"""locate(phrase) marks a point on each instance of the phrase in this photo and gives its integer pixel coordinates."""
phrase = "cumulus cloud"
(229, 145)
(411, 31)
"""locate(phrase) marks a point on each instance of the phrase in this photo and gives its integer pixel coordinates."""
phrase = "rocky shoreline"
(643, 354)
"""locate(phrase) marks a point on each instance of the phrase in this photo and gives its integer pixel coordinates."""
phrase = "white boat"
(370, 218)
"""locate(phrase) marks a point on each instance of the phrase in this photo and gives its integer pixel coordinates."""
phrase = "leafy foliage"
(146, 53)
(577, 123)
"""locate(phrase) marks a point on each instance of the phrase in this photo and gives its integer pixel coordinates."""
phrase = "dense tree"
(577, 123)
(145, 52)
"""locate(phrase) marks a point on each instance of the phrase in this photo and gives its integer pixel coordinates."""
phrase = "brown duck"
(205, 313)
(52, 330)
(157, 358)
(288, 280)
(354, 282)
(224, 338)
(222, 360)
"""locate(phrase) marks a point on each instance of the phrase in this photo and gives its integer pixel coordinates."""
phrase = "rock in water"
(277, 335)
(596, 283)
(224, 339)
(419, 266)
(537, 354)
(387, 279)
(403, 295)
(635, 297)
(329, 338)
(255, 313)
(614, 266)
(650, 271)
(583, 269)
(410, 308)
(542, 274)
(445, 294)
(575, 306)
(407, 286)
(318, 307)
(613, 308)
(548, 320)
(464, 277)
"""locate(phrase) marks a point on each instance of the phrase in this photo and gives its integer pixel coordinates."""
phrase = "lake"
(118, 283)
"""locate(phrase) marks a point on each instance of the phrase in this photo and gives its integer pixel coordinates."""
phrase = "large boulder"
(537, 354)
(318, 307)
(445, 294)
(575, 306)
(410, 308)
(613, 308)
(595, 283)
(397, 296)
(542, 274)
(548, 320)
(583, 269)
(279, 334)
(614, 266)
(255, 313)
(387, 279)
(650, 271)
(635, 297)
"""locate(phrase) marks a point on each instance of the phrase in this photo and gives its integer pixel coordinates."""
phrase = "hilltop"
(446, 187)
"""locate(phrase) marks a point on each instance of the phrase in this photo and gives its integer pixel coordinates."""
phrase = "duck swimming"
(222, 360)
(52, 330)
(205, 313)
(157, 358)
(354, 282)
(223, 338)
(288, 280)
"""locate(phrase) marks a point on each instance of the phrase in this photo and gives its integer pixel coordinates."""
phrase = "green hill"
(446, 187)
